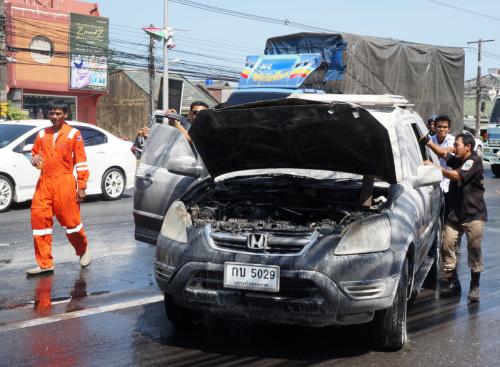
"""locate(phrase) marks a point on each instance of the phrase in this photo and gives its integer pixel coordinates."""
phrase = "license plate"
(252, 277)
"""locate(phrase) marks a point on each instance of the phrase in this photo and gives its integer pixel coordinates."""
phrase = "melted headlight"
(175, 222)
(371, 234)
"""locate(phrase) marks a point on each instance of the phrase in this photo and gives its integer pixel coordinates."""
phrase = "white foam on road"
(81, 313)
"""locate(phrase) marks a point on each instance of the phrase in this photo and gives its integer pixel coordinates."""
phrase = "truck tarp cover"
(430, 77)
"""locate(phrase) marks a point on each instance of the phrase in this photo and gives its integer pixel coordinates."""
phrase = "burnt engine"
(278, 204)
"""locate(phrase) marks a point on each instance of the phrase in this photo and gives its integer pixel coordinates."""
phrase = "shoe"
(85, 259)
(452, 286)
(38, 270)
(474, 287)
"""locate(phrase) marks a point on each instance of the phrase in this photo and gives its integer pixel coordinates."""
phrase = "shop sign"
(89, 49)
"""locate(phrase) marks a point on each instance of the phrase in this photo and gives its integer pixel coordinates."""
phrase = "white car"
(478, 144)
(111, 162)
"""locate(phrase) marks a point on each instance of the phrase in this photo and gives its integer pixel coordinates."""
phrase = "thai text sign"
(89, 49)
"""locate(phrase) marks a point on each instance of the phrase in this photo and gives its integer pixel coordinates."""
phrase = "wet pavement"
(112, 313)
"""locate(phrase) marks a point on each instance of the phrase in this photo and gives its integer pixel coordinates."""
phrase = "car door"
(97, 151)
(155, 186)
(411, 159)
(26, 175)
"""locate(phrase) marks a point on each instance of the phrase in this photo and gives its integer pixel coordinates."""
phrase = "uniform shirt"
(447, 143)
(62, 154)
(466, 195)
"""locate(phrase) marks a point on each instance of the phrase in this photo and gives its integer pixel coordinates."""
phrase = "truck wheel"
(179, 317)
(6, 193)
(495, 168)
(390, 324)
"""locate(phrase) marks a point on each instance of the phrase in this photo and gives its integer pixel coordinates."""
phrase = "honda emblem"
(257, 241)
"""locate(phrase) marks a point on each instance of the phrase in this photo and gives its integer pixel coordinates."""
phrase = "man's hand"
(429, 163)
(36, 161)
(80, 195)
(174, 123)
(424, 140)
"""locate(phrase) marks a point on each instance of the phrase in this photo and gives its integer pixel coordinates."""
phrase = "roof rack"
(366, 100)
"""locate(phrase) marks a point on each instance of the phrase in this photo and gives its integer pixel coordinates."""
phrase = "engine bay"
(281, 203)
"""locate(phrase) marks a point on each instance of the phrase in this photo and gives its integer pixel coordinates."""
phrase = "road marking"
(81, 313)
(4, 244)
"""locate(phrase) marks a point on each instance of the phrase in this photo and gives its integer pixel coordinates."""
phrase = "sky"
(223, 40)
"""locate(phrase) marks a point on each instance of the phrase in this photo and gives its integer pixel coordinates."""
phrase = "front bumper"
(305, 298)
(316, 288)
(491, 155)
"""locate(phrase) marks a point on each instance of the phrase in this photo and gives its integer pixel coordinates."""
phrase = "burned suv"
(312, 210)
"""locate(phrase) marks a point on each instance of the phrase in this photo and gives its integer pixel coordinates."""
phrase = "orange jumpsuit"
(56, 191)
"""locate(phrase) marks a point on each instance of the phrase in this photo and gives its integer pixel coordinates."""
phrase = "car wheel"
(390, 324)
(113, 184)
(179, 317)
(495, 168)
(6, 193)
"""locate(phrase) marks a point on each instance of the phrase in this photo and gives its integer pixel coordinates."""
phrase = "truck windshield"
(495, 114)
(10, 132)
(238, 98)
(494, 134)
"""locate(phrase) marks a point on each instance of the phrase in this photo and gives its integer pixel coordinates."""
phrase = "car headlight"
(372, 234)
(175, 222)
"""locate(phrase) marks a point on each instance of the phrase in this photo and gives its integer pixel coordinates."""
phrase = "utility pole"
(152, 72)
(3, 62)
(478, 84)
(165, 57)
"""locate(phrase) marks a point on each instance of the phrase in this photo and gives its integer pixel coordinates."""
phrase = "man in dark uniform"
(467, 213)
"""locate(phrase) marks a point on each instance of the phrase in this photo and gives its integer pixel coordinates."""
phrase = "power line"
(285, 22)
(464, 10)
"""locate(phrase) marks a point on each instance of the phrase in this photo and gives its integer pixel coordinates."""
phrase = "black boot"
(452, 285)
(474, 287)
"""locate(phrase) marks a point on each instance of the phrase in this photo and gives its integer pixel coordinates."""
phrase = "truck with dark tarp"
(430, 77)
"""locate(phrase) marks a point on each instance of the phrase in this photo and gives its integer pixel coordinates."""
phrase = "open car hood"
(294, 133)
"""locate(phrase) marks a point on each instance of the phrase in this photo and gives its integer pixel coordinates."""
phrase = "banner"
(89, 49)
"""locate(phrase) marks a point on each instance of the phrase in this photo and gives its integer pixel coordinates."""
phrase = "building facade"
(44, 40)
(127, 106)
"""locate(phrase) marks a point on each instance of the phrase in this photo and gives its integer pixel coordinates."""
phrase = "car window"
(92, 136)
(418, 134)
(10, 132)
(410, 153)
(29, 140)
(164, 142)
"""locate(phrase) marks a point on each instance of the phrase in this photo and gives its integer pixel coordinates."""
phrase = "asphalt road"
(111, 313)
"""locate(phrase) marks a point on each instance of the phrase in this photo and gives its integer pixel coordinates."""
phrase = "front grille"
(290, 288)
(278, 243)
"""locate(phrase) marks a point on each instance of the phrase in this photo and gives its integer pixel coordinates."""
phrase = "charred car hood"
(293, 133)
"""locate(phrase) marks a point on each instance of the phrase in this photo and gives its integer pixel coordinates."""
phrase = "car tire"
(6, 193)
(113, 184)
(495, 168)
(180, 318)
(390, 324)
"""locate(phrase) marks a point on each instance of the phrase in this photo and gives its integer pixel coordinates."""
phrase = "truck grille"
(277, 243)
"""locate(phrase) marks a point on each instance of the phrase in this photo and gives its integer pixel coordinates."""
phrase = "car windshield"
(10, 132)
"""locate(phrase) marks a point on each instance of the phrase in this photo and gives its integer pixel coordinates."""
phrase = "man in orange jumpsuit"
(57, 151)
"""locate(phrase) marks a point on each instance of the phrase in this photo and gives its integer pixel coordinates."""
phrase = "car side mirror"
(427, 175)
(27, 148)
(185, 166)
